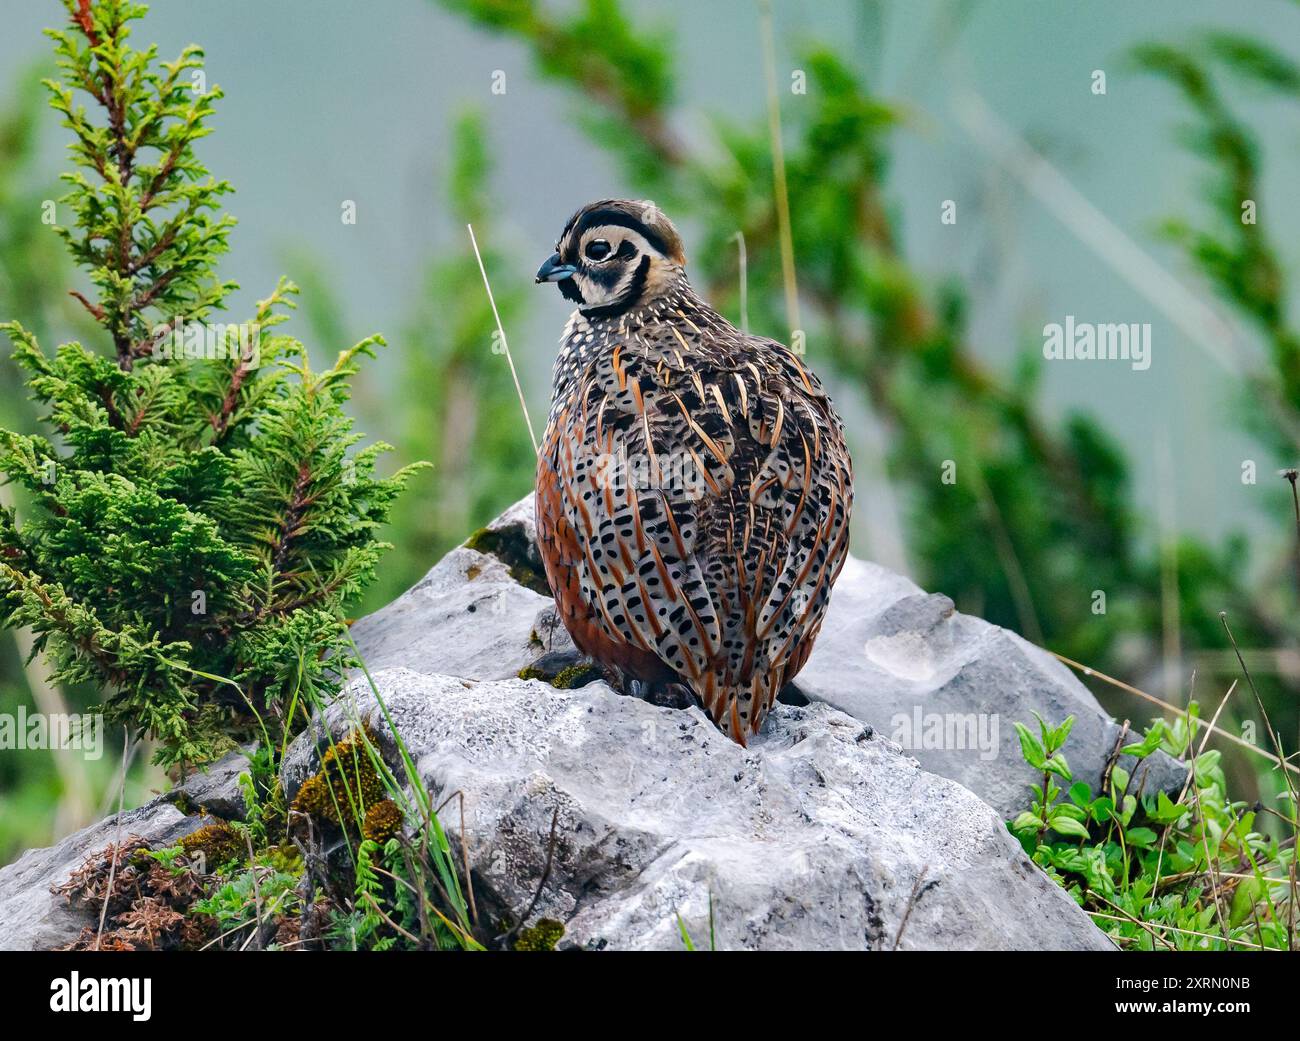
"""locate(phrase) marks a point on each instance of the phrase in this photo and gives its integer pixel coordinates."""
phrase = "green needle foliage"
(201, 513)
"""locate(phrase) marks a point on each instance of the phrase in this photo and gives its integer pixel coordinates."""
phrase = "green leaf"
(1063, 824)
(1150, 741)
(1102, 808)
(1080, 793)
(1025, 821)
(1166, 811)
(1061, 734)
(1030, 747)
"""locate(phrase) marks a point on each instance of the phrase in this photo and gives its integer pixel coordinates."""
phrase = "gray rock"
(821, 835)
(34, 919)
(888, 654)
(949, 688)
(214, 789)
(470, 616)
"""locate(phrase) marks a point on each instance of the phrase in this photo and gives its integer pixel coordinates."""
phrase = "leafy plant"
(1193, 873)
(201, 514)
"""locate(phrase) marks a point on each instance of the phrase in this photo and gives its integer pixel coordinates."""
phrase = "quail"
(693, 487)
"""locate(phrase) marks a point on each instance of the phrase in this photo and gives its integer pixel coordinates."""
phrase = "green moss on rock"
(576, 676)
(346, 785)
(218, 843)
(571, 677)
(512, 546)
(540, 937)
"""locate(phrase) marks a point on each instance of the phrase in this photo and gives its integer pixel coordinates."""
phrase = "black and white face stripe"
(584, 221)
(611, 261)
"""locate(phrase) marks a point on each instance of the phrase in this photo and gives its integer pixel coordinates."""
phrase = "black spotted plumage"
(694, 487)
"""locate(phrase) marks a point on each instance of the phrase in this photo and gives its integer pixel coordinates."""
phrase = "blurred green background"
(1115, 207)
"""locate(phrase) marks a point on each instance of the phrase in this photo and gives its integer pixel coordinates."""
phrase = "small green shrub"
(1196, 873)
(192, 525)
(197, 514)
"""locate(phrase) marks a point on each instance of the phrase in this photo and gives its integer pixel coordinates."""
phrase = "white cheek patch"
(619, 275)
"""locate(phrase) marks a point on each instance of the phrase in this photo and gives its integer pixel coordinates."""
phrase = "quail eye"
(597, 249)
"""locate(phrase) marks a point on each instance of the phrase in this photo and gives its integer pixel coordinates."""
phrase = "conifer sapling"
(197, 513)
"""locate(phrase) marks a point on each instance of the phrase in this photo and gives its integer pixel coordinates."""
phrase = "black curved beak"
(553, 270)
